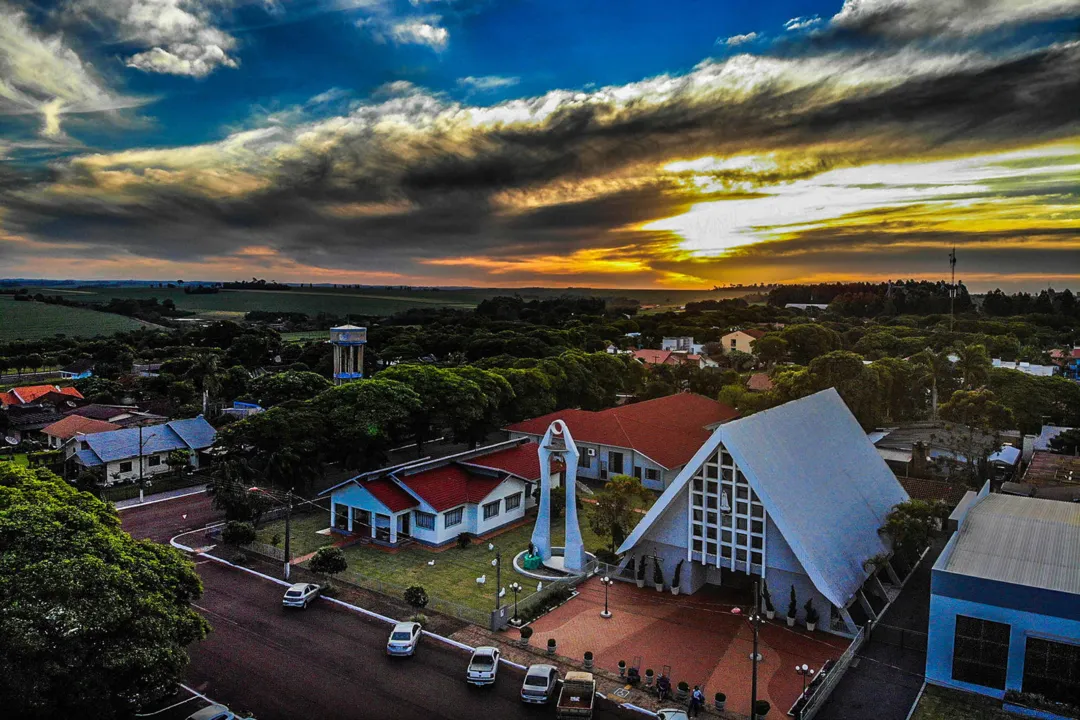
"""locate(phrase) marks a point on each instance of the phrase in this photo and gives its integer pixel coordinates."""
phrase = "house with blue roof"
(792, 496)
(119, 453)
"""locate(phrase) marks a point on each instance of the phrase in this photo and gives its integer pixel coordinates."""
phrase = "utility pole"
(288, 518)
(952, 286)
(755, 620)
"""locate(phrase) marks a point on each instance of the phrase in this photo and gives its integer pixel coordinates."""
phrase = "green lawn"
(304, 533)
(34, 321)
(453, 576)
(942, 704)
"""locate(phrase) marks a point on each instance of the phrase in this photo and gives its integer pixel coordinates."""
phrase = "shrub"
(762, 707)
(793, 606)
(657, 572)
(766, 596)
(683, 685)
(526, 632)
(811, 612)
(238, 533)
(678, 574)
(588, 655)
(276, 540)
(417, 597)
(464, 540)
(607, 556)
(329, 561)
(551, 642)
(641, 570)
(420, 618)
(631, 567)
(720, 697)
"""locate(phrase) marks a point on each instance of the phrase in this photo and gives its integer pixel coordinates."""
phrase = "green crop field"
(34, 320)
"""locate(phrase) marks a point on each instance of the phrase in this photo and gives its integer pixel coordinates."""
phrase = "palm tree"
(936, 369)
(973, 364)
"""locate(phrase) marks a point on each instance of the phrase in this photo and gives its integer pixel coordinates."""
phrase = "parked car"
(577, 695)
(212, 712)
(403, 639)
(300, 594)
(672, 714)
(483, 666)
(540, 683)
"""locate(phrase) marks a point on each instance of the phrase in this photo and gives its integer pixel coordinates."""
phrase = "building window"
(491, 510)
(1052, 669)
(153, 460)
(980, 652)
(424, 521)
(513, 502)
(652, 474)
(125, 466)
(615, 463)
(453, 517)
(584, 460)
(637, 471)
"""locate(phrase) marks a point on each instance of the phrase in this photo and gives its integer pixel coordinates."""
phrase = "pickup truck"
(577, 695)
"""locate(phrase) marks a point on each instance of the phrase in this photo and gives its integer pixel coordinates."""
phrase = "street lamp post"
(806, 672)
(515, 588)
(607, 583)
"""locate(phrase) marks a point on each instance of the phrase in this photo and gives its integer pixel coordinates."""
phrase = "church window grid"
(733, 539)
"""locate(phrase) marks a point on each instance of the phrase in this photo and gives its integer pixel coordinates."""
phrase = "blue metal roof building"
(116, 445)
(794, 495)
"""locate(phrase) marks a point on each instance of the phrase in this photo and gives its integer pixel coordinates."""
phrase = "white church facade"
(793, 496)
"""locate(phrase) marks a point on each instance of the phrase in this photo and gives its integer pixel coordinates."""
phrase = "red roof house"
(29, 393)
(63, 430)
(652, 439)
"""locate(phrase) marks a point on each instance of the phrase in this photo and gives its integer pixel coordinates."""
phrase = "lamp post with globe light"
(515, 588)
(805, 671)
(607, 582)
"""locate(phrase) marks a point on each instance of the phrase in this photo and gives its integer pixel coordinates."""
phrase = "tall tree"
(616, 508)
(936, 371)
(447, 400)
(973, 365)
(94, 624)
(974, 420)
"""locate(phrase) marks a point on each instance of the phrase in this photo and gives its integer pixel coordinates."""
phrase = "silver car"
(403, 639)
(540, 683)
(483, 666)
(300, 594)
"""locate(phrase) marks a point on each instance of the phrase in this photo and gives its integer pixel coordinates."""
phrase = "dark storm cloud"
(444, 176)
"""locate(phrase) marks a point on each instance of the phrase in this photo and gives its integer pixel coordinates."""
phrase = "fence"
(827, 680)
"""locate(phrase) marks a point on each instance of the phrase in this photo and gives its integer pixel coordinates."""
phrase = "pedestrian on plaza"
(696, 699)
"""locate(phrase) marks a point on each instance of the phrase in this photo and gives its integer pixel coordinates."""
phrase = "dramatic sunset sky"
(614, 143)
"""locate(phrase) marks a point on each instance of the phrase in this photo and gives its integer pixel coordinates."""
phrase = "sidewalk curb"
(201, 491)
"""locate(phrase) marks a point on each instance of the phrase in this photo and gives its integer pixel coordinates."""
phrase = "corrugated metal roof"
(193, 434)
(88, 458)
(1026, 541)
(196, 432)
(820, 479)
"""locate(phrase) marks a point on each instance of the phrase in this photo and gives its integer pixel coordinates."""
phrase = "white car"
(672, 714)
(483, 666)
(300, 594)
(213, 712)
(403, 639)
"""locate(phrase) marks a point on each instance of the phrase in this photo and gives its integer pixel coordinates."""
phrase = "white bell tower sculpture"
(558, 444)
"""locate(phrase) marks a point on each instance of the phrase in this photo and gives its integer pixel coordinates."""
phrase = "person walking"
(697, 699)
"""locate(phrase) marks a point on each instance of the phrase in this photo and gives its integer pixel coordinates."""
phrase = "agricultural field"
(33, 321)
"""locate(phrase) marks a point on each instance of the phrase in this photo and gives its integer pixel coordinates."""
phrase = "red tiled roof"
(759, 382)
(30, 393)
(389, 494)
(73, 425)
(451, 485)
(925, 489)
(668, 430)
(755, 333)
(652, 357)
(6, 398)
(523, 461)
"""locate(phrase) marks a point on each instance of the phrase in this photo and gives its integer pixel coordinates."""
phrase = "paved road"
(328, 662)
(161, 521)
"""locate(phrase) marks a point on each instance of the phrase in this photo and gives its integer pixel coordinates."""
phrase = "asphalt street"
(329, 662)
(163, 520)
(326, 661)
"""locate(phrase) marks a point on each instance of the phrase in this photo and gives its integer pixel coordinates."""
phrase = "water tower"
(348, 342)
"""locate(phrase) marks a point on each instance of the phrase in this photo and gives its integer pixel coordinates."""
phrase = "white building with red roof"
(651, 440)
(435, 501)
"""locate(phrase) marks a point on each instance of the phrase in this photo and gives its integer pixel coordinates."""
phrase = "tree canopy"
(94, 624)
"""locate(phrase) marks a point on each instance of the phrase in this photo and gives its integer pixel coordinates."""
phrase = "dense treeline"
(862, 299)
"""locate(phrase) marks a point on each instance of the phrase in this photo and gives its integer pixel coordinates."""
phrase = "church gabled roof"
(820, 479)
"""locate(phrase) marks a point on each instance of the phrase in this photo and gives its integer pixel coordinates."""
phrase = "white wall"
(133, 474)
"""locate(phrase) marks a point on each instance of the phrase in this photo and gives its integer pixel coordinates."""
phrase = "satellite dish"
(10, 440)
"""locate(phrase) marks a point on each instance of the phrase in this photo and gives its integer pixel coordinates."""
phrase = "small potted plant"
(684, 691)
(657, 575)
(676, 578)
(526, 633)
(641, 573)
(622, 668)
(770, 611)
(792, 608)
(551, 646)
(650, 677)
(588, 660)
(720, 699)
(811, 615)
(761, 709)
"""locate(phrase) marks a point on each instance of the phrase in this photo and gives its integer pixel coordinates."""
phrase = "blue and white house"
(119, 452)
(1005, 600)
(793, 496)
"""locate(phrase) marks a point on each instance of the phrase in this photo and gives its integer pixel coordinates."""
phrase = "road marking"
(201, 491)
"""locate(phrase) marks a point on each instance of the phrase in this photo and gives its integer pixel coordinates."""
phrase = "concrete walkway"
(158, 497)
